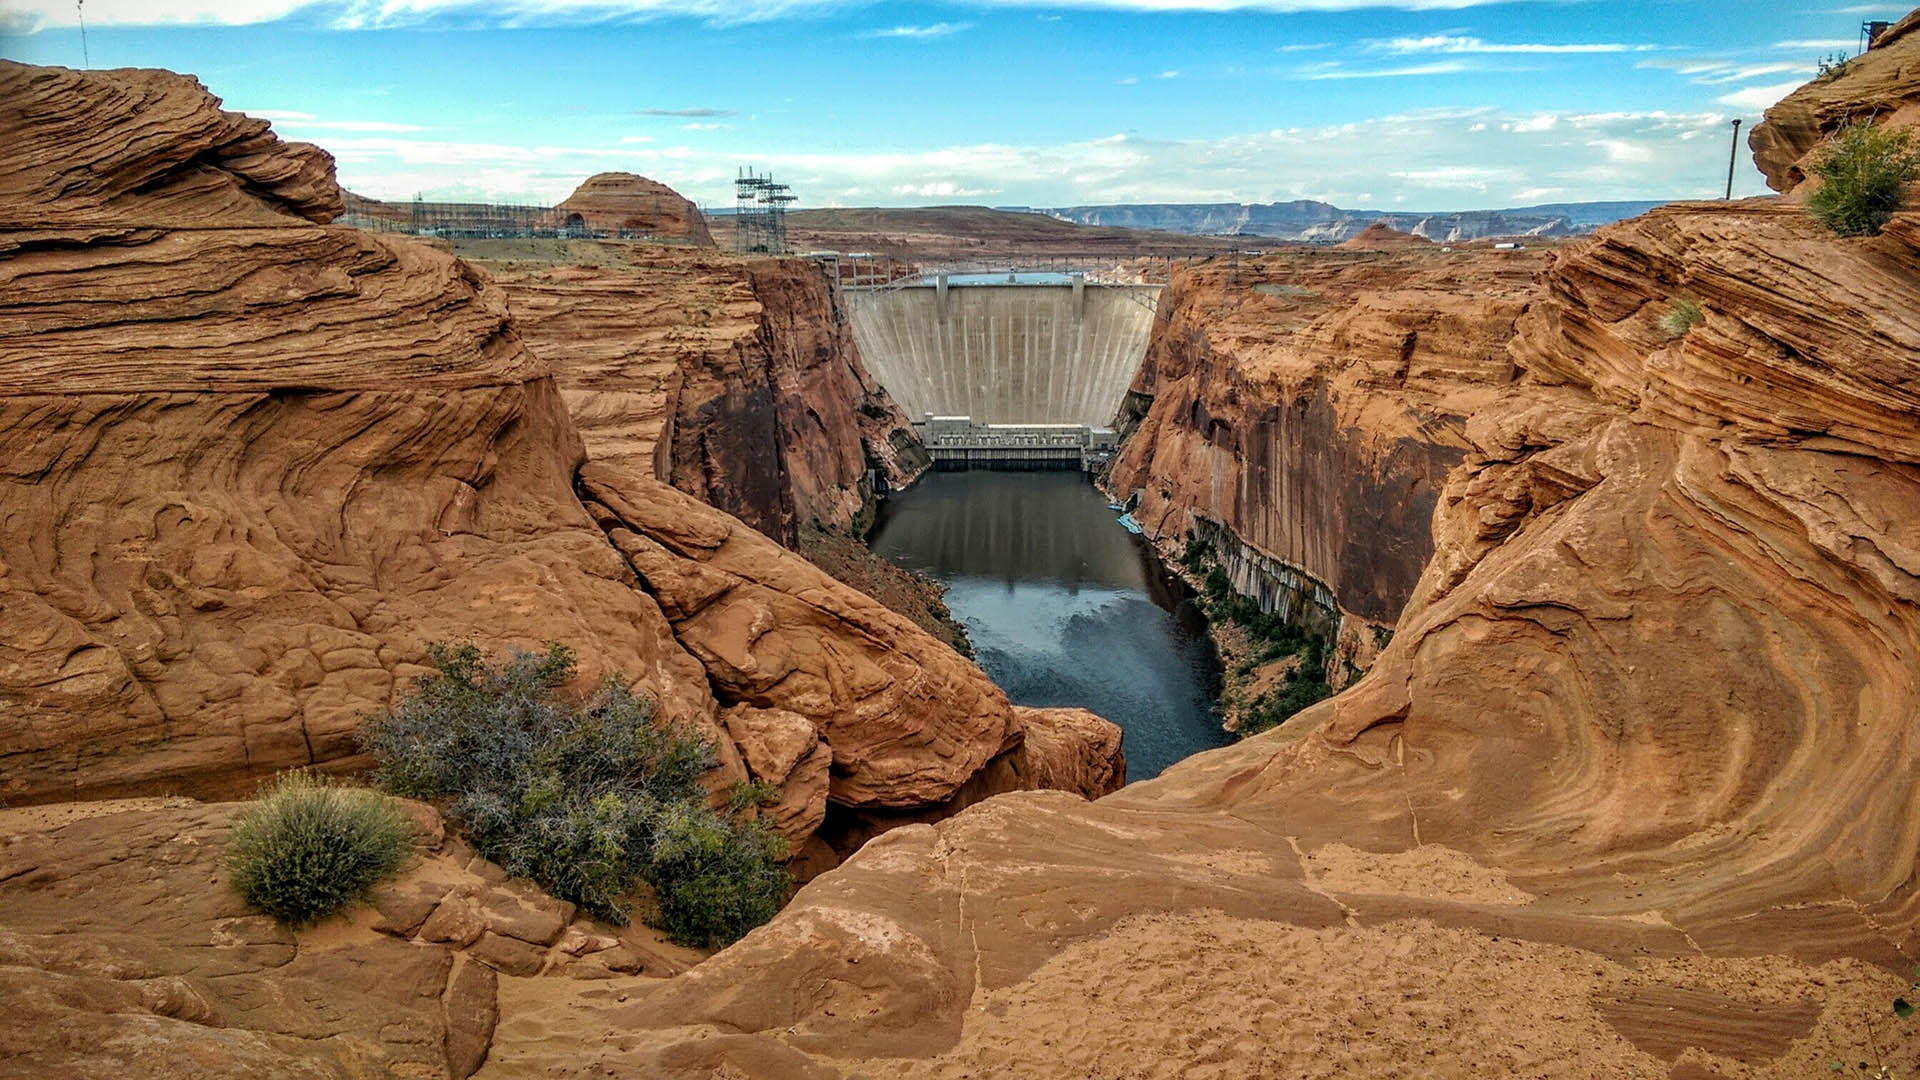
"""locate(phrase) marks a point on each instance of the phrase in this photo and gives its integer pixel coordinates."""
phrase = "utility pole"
(1733, 155)
(80, 6)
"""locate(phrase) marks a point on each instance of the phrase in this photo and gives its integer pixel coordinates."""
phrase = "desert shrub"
(309, 847)
(577, 795)
(1272, 637)
(1863, 173)
(715, 878)
(1683, 316)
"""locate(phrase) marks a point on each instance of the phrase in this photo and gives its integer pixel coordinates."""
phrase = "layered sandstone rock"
(627, 204)
(1301, 412)
(1878, 85)
(249, 472)
(734, 380)
(135, 147)
(907, 718)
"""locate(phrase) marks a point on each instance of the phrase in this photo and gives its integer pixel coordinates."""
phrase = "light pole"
(1733, 155)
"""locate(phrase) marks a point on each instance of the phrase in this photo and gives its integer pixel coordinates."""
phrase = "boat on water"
(1127, 523)
(1118, 508)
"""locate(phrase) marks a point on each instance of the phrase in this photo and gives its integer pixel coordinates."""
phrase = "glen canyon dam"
(654, 539)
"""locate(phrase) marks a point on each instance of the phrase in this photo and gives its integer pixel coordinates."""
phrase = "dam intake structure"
(1006, 370)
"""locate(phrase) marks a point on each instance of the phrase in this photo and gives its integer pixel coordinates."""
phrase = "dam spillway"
(1005, 354)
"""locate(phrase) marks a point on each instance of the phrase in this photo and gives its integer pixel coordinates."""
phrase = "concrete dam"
(1009, 369)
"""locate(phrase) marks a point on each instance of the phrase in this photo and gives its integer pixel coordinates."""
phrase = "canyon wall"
(1005, 354)
(735, 380)
(251, 464)
(1301, 413)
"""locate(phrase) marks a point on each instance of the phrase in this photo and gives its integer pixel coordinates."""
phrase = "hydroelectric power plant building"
(1008, 370)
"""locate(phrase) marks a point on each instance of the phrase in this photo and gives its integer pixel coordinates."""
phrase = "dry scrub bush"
(309, 846)
(588, 797)
(1863, 171)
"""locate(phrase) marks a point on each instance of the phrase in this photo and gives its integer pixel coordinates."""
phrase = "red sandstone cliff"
(627, 204)
(248, 471)
(1304, 409)
(735, 380)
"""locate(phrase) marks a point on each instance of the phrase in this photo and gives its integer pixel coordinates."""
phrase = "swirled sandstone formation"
(249, 470)
(1877, 85)
(624, 203)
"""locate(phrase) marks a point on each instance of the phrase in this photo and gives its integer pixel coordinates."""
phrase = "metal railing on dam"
(1006, 354)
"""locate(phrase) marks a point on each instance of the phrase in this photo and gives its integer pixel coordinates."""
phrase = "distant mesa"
(627, 203)
(1380, 236)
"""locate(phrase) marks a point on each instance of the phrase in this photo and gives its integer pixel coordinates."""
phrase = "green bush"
(715, 878)
(586, 797)
(308, 847)
(1272, 636)
(1863, 173)
(1683, 316)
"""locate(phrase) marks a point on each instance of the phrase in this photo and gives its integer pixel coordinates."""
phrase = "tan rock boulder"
(626, 203)
(908, 720)
(1381, 236)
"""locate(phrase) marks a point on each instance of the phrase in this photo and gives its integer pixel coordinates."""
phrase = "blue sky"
(1419, 105)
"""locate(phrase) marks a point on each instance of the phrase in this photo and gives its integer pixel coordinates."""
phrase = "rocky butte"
(1629, 790)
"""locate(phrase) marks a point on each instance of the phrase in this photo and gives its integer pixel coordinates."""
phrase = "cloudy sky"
(1414, 105)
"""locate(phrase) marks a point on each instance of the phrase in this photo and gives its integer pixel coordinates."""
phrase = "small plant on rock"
(309, 847)
(1863, 171)
(1683, 316)
(586, 796)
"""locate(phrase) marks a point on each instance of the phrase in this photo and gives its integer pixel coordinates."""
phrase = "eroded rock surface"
(626, 203)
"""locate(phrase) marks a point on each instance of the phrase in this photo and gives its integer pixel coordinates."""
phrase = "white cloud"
(698, 126)
(1759, 97)
(636, 139)
(941, 189)
(1169, 74)
(1848, 44)
(919, 33)
(1305, 47)
(1130, 80)
(1442, 160)
(1448, 43)
(1339, 71)
(360, 14)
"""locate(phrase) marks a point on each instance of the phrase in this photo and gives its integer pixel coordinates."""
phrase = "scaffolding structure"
(760, 213)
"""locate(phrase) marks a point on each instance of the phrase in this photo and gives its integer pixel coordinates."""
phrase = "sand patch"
(1429, 871)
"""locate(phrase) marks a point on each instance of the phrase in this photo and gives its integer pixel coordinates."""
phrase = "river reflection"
(1063, 605)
